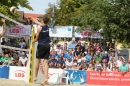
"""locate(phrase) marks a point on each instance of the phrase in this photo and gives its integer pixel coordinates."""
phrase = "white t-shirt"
(23, 60)
(69, 63)
(119, 63)
(21, 44)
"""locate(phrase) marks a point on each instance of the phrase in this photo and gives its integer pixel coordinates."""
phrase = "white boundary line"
(6, 17)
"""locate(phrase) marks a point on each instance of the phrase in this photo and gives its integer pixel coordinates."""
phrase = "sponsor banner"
(108, 78)
(4, 72)
(18, 30)
(61, 31)
(17, 73)
(77, 76)
(53, 74)
(87, 33)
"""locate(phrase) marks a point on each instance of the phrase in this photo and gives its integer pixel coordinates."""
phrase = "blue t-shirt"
(88, 57)
(44, 35)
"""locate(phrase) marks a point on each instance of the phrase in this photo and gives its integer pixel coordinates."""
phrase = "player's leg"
(37, 69)
(46, 67)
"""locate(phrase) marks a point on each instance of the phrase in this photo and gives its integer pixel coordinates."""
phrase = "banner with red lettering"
(18, 30)
(17, 73)
(108, 78)
(87, 33)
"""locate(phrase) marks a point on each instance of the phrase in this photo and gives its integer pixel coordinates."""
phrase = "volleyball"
(13, 9)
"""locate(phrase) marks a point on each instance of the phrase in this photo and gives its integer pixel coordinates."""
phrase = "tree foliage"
(5, 6)
(111, 15)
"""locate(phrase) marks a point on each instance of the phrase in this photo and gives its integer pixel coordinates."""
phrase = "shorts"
(43, 51)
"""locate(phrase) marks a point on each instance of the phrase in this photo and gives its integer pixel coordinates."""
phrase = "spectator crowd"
(14, 57)
(77, 55)
(82, 55)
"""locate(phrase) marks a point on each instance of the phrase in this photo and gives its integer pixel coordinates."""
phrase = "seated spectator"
(83, 56)
(99, 68)
(104, 63)
(52, 52)
(3, 58)
(72, 44)
(97, 57)
(88, 57)
(96, 64)
(129, 63)
(52, 65)
(120, 61)
(5, 63)
(105, 68)
(6, 51)
(113, 56)
(56, 55)
(59, 66)
(23, 59)
(65, 48)
(77, 52)
(90, 67)
(79, 59)
(61, 61)
(67, 67)
(10, 58)
(16, 57)
(106, 57)
(58, 49)
(20, 63)
(82, 67)
(69, 62)
(52, 59)
(70, 55)
(111, 63)
(63, 54)
(74, 66)
(124, 67)
(13, 63)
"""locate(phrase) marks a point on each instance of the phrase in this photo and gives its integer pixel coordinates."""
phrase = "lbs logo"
(19, 73)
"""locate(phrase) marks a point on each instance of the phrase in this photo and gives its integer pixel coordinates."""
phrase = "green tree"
(5, 6)
(111, 15)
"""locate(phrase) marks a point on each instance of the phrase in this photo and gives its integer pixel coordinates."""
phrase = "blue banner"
(76, 76)
(4, 72)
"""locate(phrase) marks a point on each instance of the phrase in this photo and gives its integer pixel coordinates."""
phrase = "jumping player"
(43, 48)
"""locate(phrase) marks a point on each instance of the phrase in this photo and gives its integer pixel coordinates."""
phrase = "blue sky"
(39, 6)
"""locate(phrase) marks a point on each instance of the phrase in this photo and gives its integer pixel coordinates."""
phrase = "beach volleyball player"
(4, 31)
(43, 48)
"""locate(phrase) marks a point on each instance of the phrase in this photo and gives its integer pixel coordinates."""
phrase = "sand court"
(8, 82)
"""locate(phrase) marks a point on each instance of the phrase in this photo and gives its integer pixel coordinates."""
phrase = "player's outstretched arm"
(35, 21)
(4, 27)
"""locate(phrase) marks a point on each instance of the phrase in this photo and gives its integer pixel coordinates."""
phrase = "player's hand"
(33, 41)
(3, 20)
